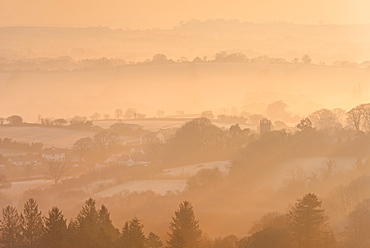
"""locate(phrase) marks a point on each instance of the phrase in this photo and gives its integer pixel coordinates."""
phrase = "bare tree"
(56, 169)
(95, 116)
(365, 116)
(354, 118)
(160, 113)
(118, 113)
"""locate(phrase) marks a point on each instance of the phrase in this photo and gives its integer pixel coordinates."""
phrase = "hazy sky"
(167, 13)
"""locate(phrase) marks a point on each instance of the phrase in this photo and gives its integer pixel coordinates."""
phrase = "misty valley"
(210, 134)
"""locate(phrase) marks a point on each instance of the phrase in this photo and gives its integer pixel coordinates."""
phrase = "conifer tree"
(108, 235)
(10, 228)
(308, 224)
(87, 225)
(184, 228)
(133, 235)
(153, 241)
(55, 229)
(32, 225)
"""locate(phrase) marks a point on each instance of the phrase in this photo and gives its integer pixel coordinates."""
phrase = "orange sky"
(167, 13)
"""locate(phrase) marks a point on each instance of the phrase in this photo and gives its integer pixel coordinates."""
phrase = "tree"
(270, 220)
(207, 114)
(160, 113)
(87, 225)
(133, 235)
(130, 113)
(197, 140)
(4, 183)
(277, 111)
(55, 229)
(95, 116)
(306, 59)
(226, 242)
(153, 241)
(32, 225)
(78, 120)
(56, 169)
(108, 235)
(269, 237)
(84, 147)
(354, 118)
(14, 120)
(365, 116)
(305, 125)
(204, 179)
(159, 58)
(184, 228)
(357, 230)
(118, 114)
(325, 119)
(106, 143)
(10, 229)
(60, 122)
(308, 225)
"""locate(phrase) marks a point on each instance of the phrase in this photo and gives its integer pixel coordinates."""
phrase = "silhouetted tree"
(229, 241)
(308, 224)
(84, 147)
(204, 179)
(153, 241)
(10, 228)
(270, 220)
(269, 237)
(118, 113)
(14, 120)
(184, 228)
(108, 235)
(306, 59)
(133, 235)
(56, 169)
(55, 229)
(305, 124)
(95, 116)
(357, 230)
(60, 122)
(87, 225)
(207, 114)
(197, 140)
(32, 225)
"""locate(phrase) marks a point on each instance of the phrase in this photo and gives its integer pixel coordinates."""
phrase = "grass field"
(58, 137)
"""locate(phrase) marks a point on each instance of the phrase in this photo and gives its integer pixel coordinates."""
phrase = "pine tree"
(133, 235)
(184, 229)
(308, 225)
(153, 241)
(108, 235)
(10, 228)
(87, 225)
(32, 225)
(55, 229)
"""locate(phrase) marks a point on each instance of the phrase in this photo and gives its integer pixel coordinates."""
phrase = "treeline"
(66, 63)
(305, 225)
(92, 228)
(8, 143)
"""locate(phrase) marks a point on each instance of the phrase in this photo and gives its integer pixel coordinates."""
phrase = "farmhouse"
(54, 154)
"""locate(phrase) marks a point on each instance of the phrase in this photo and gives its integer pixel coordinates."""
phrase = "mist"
(120, 122)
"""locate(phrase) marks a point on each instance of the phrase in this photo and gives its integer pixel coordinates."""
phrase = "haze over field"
(249, 121)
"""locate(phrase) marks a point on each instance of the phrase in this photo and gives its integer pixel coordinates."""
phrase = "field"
(58, 137)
